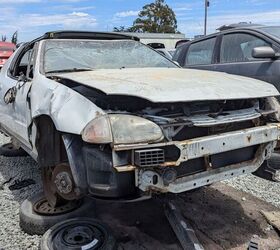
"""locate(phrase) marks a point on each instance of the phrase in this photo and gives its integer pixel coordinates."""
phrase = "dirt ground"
(224, 218)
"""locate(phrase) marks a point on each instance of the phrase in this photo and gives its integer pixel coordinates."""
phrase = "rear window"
(201, 52)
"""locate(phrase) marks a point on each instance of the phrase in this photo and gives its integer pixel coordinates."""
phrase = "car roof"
(232, 28)
(239, 25)
(73, 34)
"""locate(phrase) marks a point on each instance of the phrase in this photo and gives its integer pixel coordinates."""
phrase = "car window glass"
(201, 52)
(239, 47)
(22, 65)
(61, 55)
(177, 52)
(275, 31)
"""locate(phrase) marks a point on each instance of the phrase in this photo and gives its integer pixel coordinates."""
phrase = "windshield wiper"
(69, 70)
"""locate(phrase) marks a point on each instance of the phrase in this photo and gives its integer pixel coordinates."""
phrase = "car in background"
(181, 42)
(166, 53)
(243, 49)
(160, 48)
(6, 50)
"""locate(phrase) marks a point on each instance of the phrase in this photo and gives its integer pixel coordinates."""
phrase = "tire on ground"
(274, 161)
(79, 233)
(36, 224)
(8, 150)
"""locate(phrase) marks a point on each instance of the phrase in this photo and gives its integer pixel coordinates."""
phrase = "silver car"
(105, 115)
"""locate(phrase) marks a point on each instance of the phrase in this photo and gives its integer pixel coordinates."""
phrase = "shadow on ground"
(217, 213)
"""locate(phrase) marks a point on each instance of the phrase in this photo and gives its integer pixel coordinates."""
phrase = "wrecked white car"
(107, 116)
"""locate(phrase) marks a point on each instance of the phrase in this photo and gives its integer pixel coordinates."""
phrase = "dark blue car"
(242, 49)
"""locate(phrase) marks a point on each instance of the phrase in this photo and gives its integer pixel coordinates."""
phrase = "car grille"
(149, 158)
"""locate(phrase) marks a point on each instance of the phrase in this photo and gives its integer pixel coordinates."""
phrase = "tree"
(4, 38)
(156, 17)
(15, 38)
(121, 29)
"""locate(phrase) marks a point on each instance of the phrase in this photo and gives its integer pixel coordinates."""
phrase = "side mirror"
(263, 52)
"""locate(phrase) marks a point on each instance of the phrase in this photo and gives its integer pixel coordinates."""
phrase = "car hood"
(172, 84)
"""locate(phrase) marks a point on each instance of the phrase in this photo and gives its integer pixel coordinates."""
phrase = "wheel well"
(49, 143)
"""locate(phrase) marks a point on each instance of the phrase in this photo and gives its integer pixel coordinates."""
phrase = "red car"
(6, 50)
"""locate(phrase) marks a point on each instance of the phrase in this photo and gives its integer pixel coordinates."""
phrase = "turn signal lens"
(98, 131)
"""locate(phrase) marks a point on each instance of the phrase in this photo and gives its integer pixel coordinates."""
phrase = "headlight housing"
(122, 129)
(98, 131)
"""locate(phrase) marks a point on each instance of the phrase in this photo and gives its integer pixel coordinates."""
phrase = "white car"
(105, 115)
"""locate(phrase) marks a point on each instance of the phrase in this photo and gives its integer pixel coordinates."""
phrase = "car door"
(200, 54)
(235, 57)
(15, 113)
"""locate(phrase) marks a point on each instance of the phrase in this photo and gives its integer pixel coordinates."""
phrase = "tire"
(268, 167)
(79, 233)
(35, 224)
(274, 161)
(8, 150)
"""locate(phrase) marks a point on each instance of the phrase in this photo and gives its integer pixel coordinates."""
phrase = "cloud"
(182, 9)
(30, 26)
(73, 20)
(19, 1)
(191, 26)
(80, 14)
(128, 13)
(37, 1)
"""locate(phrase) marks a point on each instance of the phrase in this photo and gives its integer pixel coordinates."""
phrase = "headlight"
(98, 131)
(122, 129)
(128, 129)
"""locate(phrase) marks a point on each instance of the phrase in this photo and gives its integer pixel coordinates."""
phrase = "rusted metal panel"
(173, 84)
(144, 178)
(211, 145)
(248, 137)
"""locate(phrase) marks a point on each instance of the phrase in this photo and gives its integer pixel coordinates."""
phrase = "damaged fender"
(69, 111)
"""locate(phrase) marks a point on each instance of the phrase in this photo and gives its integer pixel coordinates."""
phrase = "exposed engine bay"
(216, 116)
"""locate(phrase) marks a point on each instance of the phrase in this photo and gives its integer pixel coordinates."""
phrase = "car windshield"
(275, 31)
(67, 55)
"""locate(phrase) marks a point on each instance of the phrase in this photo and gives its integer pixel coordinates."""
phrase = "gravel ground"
(263, 189)
(14, 169)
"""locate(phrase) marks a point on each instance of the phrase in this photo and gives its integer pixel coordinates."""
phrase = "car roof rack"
(69, 34)
(238, 25)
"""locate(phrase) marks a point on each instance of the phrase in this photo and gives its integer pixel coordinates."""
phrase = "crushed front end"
(177, 147)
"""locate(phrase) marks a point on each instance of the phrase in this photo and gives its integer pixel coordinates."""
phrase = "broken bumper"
(264, 136)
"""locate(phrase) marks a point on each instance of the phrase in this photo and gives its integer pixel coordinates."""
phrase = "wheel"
(59, 185)
(9, 150)
(79, 233)
(274, 161)
(37, 215)
(270, 169)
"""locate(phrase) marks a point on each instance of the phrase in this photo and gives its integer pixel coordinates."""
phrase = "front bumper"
(264, 136)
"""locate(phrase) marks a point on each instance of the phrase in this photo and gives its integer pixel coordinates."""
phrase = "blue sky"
(34, 17)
